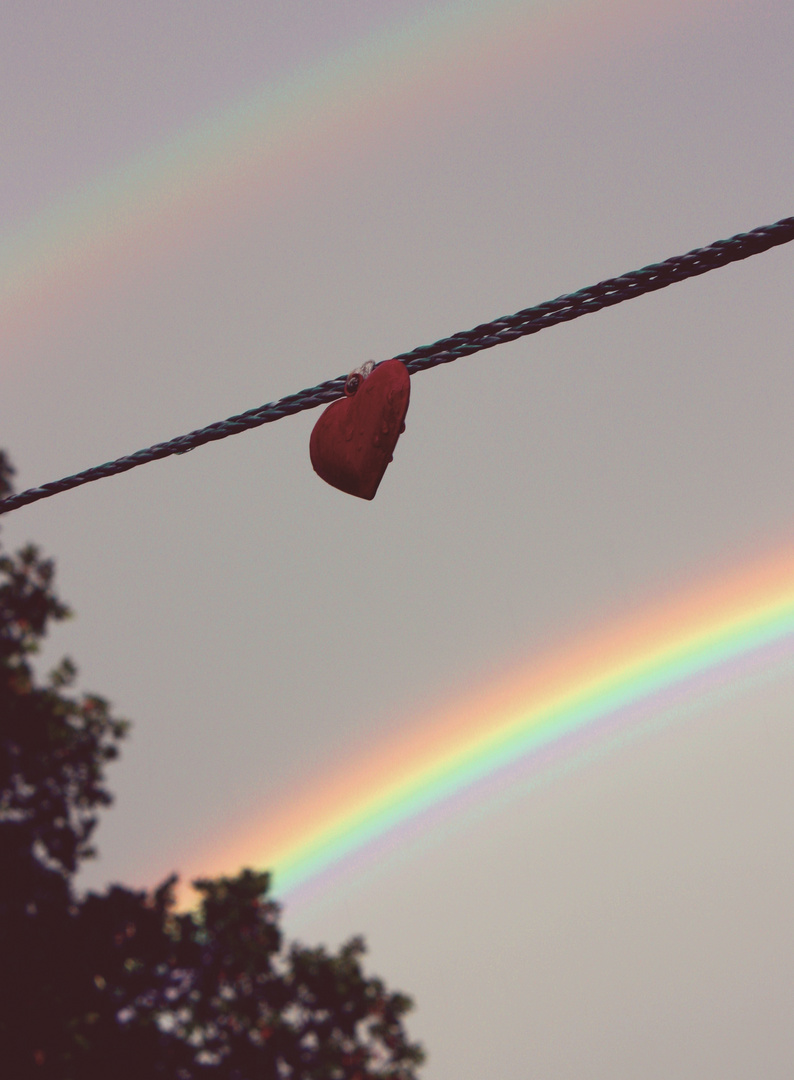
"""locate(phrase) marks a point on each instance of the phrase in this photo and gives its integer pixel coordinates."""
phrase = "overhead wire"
(485, 336)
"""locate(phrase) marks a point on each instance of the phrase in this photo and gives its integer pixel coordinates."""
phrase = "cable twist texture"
(485, 336)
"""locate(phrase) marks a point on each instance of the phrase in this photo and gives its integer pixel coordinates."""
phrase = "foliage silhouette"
(121, 984)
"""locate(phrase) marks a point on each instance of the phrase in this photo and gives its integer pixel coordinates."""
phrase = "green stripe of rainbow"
(709, 634)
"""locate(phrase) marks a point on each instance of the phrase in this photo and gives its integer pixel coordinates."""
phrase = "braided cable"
(485, 336)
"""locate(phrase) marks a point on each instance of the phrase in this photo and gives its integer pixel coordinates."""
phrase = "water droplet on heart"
(376, 440)
(384, 428)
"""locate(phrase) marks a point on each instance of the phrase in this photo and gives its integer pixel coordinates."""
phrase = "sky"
(206, 207)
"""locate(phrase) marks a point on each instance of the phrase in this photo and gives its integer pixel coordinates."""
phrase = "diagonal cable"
(486, 336)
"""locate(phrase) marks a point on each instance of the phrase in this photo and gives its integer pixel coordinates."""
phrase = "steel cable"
(486, 336)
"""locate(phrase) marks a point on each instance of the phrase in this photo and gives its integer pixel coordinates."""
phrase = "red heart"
(353, 441)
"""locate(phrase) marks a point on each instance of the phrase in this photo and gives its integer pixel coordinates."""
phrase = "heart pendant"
(353, 441)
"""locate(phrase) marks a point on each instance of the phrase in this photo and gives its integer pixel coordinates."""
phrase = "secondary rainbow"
(308, 124)
(644, 668)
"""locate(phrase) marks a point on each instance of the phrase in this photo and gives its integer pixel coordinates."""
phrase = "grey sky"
(632, 918)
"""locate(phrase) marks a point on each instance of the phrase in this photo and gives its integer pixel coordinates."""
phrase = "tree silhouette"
(120, 984)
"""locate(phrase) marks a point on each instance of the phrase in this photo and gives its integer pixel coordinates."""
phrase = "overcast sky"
(632, 917)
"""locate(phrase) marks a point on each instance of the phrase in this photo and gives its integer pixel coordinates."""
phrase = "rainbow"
(309, 125)
(644, 668)
(314, 122)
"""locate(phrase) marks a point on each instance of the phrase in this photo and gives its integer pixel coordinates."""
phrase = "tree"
(120, 984)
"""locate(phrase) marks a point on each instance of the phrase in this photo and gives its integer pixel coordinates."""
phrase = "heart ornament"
(353, 441)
